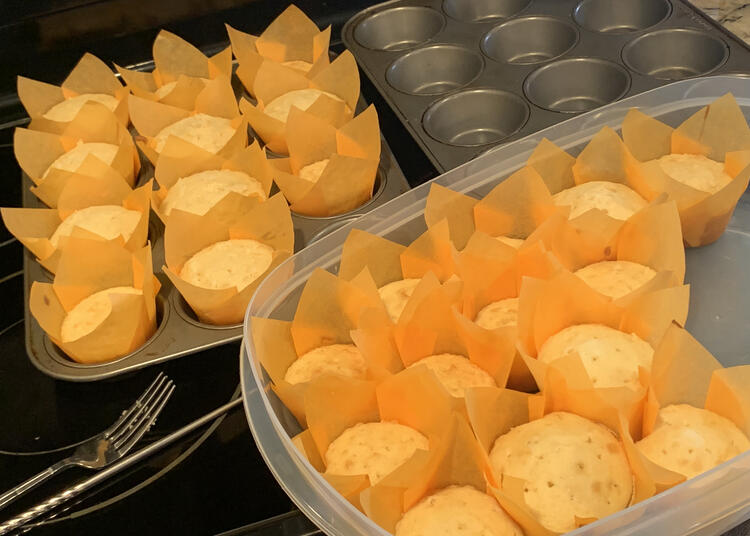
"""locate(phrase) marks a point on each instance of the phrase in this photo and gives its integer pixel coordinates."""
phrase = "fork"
(110, 445)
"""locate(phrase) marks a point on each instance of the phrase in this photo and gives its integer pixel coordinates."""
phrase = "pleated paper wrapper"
(90, 75)
(180, 64)
(181, 159)
(651, 237)
(36, 151)
(291, 37)
(216, 99)
(370, 262)
(431, 323)
(34, 227)
(347, 181)
(684, 372)
(455, 460)
(548, 307)
(339, 78)
(492, 271)
(234, 217)
(605, 158)
(494, 412)
(328, 310)
(89, 266)
(334, 403)
(719, 132)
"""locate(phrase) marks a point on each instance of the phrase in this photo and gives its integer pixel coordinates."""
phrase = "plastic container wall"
(720, 304)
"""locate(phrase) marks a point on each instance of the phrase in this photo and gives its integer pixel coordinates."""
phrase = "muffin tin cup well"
(399, 28)
(621, 47)
(482, 10)
(434, 70)
(675, 53)
(179, 332)
(476, 117)
(528, 40)
(619, 16)
(576, 84)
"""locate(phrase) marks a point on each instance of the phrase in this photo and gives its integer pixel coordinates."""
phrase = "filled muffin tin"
(466, 75)
(179, 332)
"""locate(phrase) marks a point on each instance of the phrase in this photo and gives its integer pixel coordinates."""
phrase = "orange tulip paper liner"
(89, 266)
(718, 131)
(328, 310)
(413, 398)
(456, 208)
(36, 151)
(179, 63)
(516, 206)
(493, 412)
(388, 261)
(493, 271)
(90, 75)
(292, 36)
(234, 217)
(340, 78)
(684, 372)
(216, 99)
(181, 159)
(547, 307)
(33, 227)
(652, 237)
(348, 179)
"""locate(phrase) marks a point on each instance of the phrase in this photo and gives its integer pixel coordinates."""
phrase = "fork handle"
(41, 508)
(13, 494)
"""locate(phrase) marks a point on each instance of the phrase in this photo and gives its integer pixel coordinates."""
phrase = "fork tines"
(138, 418)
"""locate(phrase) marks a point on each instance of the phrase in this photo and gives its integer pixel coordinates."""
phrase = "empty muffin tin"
(466, 75)
(179, 332)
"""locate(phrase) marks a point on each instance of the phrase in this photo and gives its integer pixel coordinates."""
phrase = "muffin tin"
(466, 75)
(179, 332)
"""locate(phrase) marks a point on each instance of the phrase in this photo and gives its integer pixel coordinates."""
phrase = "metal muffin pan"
(466, 75)
(179, 332)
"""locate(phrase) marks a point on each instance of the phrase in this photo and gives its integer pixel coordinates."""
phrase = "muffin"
(690, 440)
(572, 467)
(696, 171)
(199, 192)
(86, 316)
(107, 221)
(617, 200)
(66, 110)
(312, 172)
(208, 132)
(498, 314)
(615, 278)
(374, 449)
(611, 357)
(457, 511)
(396, 294)
(73, 159)
(343, 359)
(230, 263)
(456, 373)
(279, 107)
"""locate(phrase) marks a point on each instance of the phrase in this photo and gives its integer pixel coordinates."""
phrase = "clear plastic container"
(719, 317)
